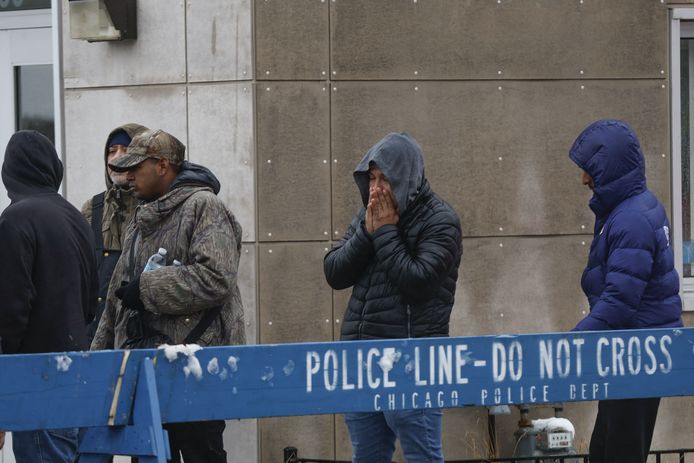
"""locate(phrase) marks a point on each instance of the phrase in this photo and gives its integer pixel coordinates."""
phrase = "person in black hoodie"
(401, 255)
(48, 279)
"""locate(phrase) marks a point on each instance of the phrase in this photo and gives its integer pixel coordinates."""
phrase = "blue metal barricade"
(123, 397)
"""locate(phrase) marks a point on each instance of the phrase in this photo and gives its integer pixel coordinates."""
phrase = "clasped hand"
(129, 293)
(381, 209)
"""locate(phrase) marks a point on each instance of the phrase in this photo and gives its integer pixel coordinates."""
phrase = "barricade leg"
(145, 438)
(291, 455)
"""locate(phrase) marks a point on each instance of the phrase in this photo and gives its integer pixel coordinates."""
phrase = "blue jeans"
(45, 446)
(373, 435)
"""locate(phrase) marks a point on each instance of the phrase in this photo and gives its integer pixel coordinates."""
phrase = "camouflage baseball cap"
(155, 144)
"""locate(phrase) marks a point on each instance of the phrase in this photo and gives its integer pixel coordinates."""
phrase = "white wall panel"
(90, 114)
(220, 40)
(157, 55)
(248, 287)
(241, 441)
(241, 436)
(220, 125)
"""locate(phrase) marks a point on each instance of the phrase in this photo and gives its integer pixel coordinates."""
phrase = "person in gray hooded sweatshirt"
(400, 255)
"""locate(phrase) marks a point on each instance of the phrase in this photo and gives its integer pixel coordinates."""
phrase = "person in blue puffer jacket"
(630, 279)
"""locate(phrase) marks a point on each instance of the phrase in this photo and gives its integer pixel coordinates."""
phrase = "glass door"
(26, 76)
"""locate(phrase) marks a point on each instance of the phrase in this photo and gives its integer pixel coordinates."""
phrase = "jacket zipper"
(363, 309)
(409, 322)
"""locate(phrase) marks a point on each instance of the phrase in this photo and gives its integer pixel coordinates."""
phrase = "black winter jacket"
(48, 280)
(404, 276)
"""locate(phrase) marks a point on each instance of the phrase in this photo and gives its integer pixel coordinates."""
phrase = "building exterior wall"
(281, 98)
(189, 73)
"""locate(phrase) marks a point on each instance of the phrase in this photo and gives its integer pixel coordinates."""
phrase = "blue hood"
(195, 174)
(611, 154)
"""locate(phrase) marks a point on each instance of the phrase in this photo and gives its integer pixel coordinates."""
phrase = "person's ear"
(163, 166)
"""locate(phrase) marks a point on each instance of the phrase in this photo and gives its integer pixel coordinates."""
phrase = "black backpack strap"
(131, 256)
(202, 325)
(97, 216)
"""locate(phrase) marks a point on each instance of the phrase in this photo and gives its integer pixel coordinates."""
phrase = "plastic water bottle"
(156, 261)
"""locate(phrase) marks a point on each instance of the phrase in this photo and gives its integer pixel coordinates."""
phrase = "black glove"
(129, 293)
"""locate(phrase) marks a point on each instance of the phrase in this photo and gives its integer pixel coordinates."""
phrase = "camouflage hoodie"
(198, 230)
(119, 204)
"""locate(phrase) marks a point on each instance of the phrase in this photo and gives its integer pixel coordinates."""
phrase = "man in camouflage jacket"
(109, 213)
(182, 214)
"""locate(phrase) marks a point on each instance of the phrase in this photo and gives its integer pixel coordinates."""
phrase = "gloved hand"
(129, 293)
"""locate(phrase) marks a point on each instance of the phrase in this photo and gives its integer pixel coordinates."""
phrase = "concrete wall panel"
(314, 436)
(241, 441)
(497, 151)
(295, 301)
(454, 39)
(219, 39)
(340, 300)
(157, 56)
(248, 286)
(90, 114)
(293, 159)
(241, 436)
(673, 424)
(291, 39)
(520, 285)
(220, 128)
